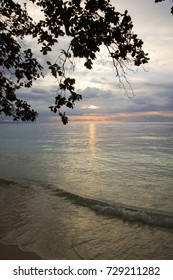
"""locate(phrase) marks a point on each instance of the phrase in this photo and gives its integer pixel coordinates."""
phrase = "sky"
(103, 99)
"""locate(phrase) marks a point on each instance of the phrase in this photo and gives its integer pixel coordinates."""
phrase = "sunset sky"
(103, 100)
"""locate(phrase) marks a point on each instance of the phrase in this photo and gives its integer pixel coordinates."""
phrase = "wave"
(119, 210)
(112, 210)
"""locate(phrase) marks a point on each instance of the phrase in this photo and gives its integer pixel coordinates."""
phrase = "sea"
(88, 191)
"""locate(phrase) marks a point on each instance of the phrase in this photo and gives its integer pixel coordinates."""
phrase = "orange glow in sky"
(119, 117)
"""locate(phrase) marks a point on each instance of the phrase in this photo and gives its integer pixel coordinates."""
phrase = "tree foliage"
(88, 24)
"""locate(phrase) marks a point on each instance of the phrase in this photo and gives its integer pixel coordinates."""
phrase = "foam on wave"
(126, 212)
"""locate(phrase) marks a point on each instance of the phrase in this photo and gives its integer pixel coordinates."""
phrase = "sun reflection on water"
(92, 139)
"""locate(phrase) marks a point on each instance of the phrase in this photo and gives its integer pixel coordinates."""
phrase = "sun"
(93, 107)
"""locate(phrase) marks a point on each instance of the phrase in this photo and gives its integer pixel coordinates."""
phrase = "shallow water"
(88, 191)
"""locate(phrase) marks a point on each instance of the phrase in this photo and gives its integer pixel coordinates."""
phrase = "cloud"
(120, 117)
(153, 88)
(93, 92)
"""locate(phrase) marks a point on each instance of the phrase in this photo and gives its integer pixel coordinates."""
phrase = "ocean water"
(87, 191)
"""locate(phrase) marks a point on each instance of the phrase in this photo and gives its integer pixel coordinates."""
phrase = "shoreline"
(13, 252)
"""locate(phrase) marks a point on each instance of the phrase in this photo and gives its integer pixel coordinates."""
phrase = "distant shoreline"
(13, 252)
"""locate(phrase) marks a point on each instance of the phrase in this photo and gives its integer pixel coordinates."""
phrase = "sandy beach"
(11, 252)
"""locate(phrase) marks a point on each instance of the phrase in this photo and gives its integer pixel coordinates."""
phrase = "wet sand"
(11, 252)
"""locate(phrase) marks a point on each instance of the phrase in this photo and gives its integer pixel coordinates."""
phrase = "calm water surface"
(88, 191)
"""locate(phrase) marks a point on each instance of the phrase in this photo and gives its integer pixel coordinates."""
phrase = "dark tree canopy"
(88, 24)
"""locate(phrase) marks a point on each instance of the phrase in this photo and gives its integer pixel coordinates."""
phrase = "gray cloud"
(91, 93)
(99, 86)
